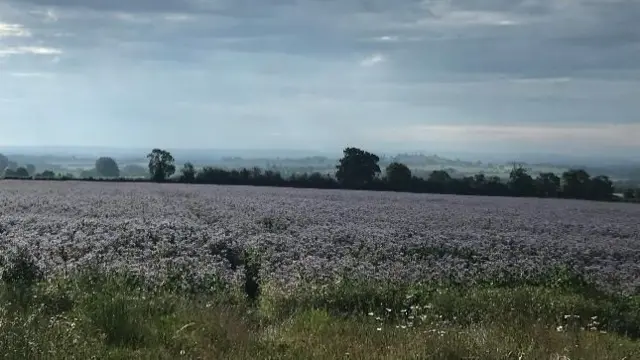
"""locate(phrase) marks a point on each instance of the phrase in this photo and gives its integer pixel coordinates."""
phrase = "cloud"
(304, 64)
(533, 81)
(31, 50)
(13, 30)
(373, 60)
(387, 38)
(120, 5)
(31, 75)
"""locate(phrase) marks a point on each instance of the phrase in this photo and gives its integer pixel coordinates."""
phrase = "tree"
(4, 163)
(133, 170)
(520, 182)
(357, 168)
(188, 173)
(629, 194)
(88, 173)
(21, 172)
(575, 184)
(495, 186)
(439, 176)
(480, 179)
(48, 174)
(398, 175)
(31, 169)
(161, 165)
(548, 184)
(107, 167)
(601, 188)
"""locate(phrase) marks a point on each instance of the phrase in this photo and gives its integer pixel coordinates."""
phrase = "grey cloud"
(240, 8)
(119, 5)
(515, 6)
(557, 42)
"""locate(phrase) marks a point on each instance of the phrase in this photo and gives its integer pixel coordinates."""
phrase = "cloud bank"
(320, 74)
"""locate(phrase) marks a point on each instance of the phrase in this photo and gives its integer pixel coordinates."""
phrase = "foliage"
(4, 163)
(629, 194)
(89, 173)
(547, 185)
(252, 275)
(600, 188)
(47, 174)
(134, 171)
(20, 172)
(398, 175)
(107, 316)
(357, 168)
(161, 165)
(520, 182)
(188, 173)
(439, 176)
(20, 268)
(107, 167)
(575, 184)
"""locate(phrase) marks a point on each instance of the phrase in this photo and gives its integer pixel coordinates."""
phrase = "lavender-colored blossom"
(317, 235)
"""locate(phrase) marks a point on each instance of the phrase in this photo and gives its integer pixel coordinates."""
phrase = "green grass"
(114, 317)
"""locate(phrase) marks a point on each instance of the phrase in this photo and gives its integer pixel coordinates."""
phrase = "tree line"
(360, 170)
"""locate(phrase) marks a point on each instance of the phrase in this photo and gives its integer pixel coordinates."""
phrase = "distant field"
(319, 235)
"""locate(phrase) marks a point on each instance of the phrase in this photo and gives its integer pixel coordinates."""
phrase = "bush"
(21, 269)
(252, 275)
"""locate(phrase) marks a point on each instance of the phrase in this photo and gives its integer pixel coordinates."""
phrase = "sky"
(433, 75)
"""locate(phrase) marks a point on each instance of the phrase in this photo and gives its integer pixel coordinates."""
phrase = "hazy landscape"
(314, 179)
(80, 161)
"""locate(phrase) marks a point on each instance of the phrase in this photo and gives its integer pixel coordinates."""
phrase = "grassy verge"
(109, 316)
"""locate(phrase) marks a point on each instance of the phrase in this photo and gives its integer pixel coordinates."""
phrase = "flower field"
(314, 235)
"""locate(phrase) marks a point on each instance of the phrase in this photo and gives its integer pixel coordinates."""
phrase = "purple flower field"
(318, 235)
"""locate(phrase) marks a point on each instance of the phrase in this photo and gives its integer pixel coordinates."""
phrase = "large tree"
(601, 188)
(357, 168)
(576, 183)
(398, 175)
(439, 176)
(161, 164)
(520, 182)
(107, 167)
(548, 184)
(188, 173)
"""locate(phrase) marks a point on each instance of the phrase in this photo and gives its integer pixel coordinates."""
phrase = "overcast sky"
(494, 75)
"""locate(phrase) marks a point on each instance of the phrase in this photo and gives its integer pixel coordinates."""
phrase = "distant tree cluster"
(359, 170)
(11, 169)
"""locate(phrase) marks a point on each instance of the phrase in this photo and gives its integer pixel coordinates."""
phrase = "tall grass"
(113, 316)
